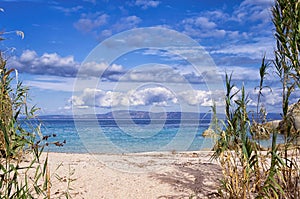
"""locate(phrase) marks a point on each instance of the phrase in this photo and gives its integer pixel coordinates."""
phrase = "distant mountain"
(70, 117)
(148, 115)
(135, 115)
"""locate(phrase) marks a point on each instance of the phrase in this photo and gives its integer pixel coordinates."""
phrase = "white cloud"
(102, 69)
(202, 97)
(152, 96)
(193, 97)
(106, 33)
(47, 64)
(51, 83)
(202, 27)
(28, 55)
(205, 72)
(210, 24)
(254, 10)
(273, 98)
(91, 1)
(252, 18)
(216, 15)
(101, 25)
(145, 4)
(147, 96)
(90, 22)
(240, 73)
(153, 73)
(68, 11)
(204, 23)
(126, 23)
(56, 65)
(255, 49)
(159, 96)
(76, 101)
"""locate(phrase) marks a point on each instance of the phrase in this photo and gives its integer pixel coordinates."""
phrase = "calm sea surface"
(142, 135)
(109, 136)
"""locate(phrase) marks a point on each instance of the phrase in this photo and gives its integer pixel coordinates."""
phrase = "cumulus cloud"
(202, 97)
(102, 98)
(47, 64)
(145, 4)
(193, 97)
(152, 96)
(162, 96)
(143, 97)
(146, 96)
(102, 70)
(56, 65)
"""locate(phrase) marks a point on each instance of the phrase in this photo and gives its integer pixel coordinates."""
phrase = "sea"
(86, 135)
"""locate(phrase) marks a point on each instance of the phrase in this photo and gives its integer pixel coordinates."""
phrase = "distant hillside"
(148, 115)
(135, 115)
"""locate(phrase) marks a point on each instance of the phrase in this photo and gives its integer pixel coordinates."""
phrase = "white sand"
(143, 175)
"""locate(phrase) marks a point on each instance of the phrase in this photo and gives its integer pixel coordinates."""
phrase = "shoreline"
(135, 153)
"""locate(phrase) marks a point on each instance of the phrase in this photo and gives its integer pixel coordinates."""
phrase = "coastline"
(138, 175)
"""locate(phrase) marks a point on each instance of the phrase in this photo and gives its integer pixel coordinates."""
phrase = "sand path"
(143, 175)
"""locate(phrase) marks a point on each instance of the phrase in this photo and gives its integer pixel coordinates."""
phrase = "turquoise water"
(108, 136)
(123, 136)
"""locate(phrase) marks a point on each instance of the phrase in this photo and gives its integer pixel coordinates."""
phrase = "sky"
(157, 55)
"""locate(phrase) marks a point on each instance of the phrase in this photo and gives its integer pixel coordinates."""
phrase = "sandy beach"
(142, 175)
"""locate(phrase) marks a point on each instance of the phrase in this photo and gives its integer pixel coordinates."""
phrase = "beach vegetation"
(249, 170)
(23, 171)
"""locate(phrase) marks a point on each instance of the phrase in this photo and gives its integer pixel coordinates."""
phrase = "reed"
(20, 178)
(247, 171)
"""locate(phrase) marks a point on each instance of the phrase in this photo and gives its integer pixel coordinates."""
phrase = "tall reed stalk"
(248, 172)
(19, 178)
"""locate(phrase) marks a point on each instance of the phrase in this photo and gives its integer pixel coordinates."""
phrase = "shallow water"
(109, 136)
(128, 136)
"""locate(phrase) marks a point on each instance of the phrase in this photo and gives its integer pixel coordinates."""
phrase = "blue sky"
(60, 36)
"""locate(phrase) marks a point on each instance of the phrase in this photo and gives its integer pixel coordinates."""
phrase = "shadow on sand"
(194, 180)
